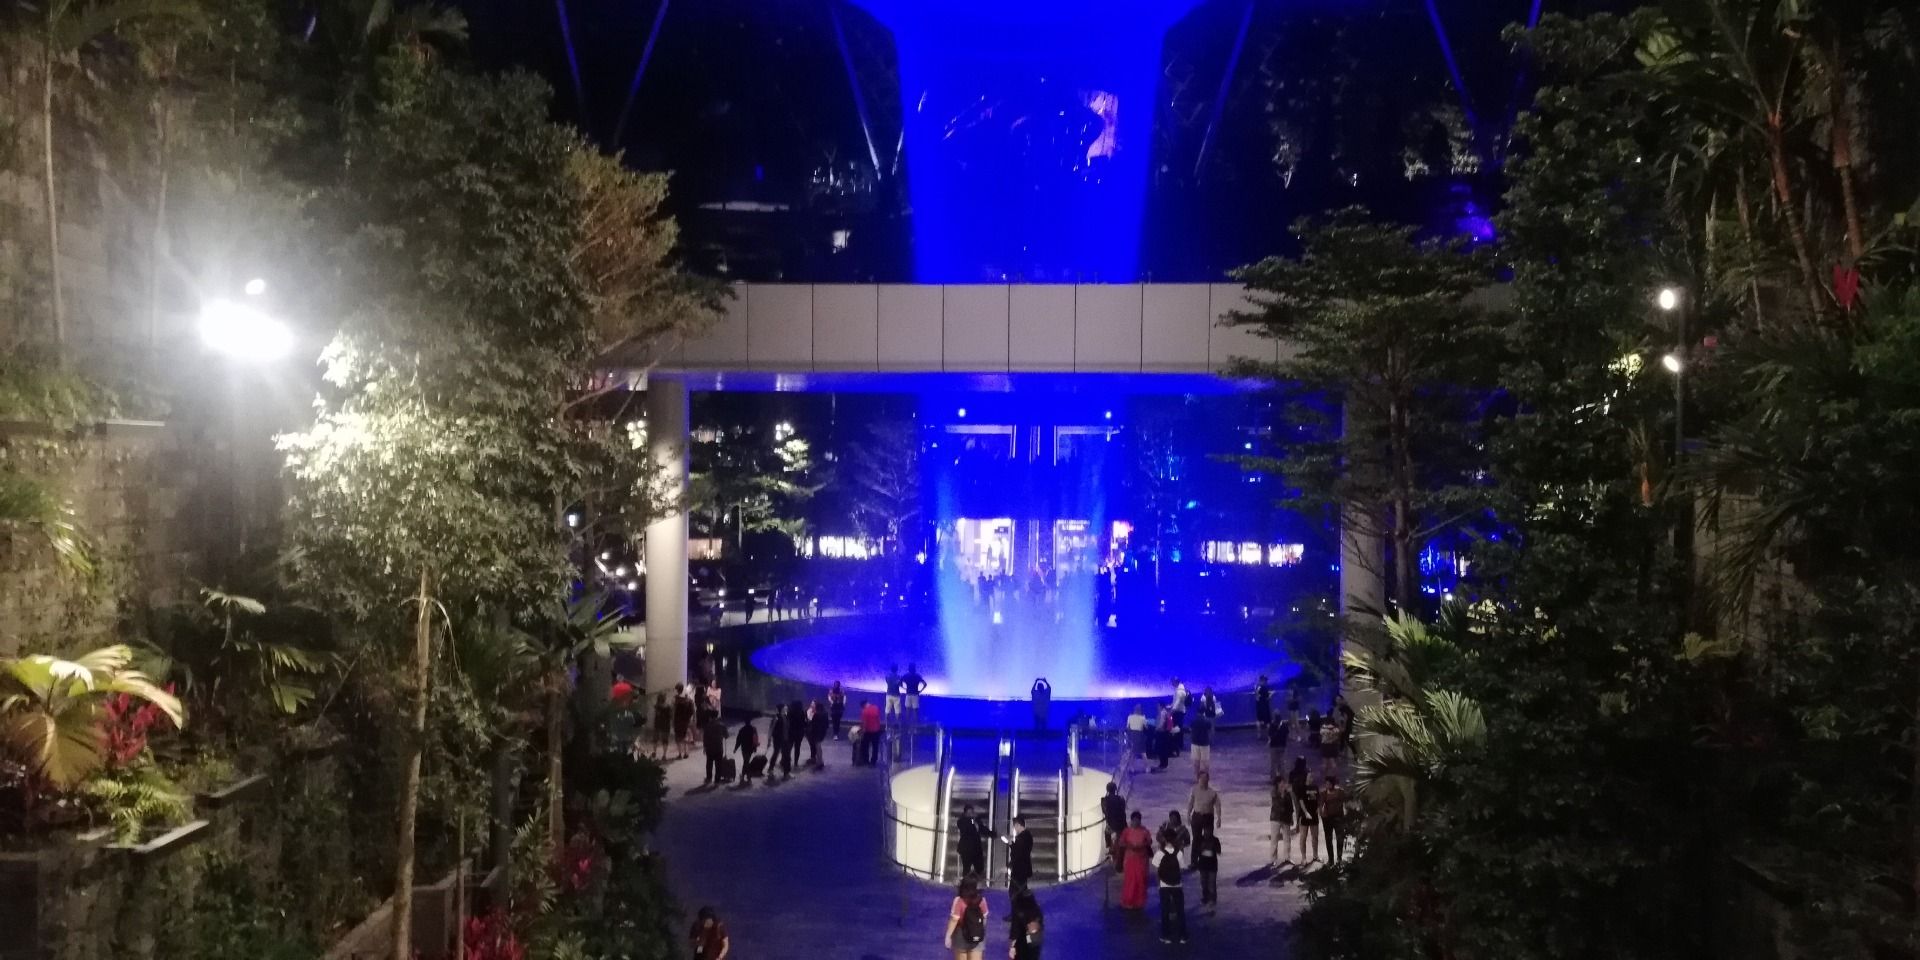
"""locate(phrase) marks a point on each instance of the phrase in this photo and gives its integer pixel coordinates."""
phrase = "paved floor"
(797, 870)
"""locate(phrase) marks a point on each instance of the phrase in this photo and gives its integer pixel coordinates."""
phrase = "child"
(1173, 898)
(1206, 859)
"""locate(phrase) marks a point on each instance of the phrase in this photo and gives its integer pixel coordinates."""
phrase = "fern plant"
(135, 798)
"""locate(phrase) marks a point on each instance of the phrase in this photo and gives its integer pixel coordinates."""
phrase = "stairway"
(968, 788)
(1039, 803)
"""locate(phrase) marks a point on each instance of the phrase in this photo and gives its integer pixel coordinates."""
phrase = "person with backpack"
(1206, 861)
(1173, 897)
(1174, 834)
(1025, 928)
(709, 936)
(967, 922)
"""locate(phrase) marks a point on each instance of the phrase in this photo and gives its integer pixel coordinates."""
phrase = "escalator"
(966, 788)
(1037, 798)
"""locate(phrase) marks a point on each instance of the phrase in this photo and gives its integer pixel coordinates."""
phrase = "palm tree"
(50, 709)
(1409, 738)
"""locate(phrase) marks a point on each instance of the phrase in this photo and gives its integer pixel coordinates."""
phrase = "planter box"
(173, 840)
(433, 922)
(237, 790)
(37, 886)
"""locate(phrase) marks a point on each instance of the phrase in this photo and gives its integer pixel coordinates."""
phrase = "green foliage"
(137, 799)
(233, 917)
(220, 659)
(50, 709)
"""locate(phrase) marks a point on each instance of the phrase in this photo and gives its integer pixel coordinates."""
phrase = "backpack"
(973, 924)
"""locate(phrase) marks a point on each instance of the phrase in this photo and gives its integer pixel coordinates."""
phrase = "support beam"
(666, 548)
(1363, 572)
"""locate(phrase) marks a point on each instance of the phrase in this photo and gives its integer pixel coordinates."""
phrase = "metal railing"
(904, 826)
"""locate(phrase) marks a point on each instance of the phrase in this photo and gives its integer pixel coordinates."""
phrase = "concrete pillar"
(1363, 572)
(666, 548)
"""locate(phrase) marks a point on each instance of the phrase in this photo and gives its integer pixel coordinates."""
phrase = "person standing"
(1026, 929)
(1330, 747)
(1173, 897)
(1209, 705)
(746, 744)
(1139, 735)
(1333, 818)
(663, 725)
(913, 683)
(1203, 804)
(1019, 856)
(709, 937)
(1202, 743)
(1206, 862)
(701, 713)
(967, 922)
(1174, 833)
(893, 693)
(682, 718)
(1042, 696)
(714, 740)
(1344, 711)
(836, 707)
(782, 742)
(1164, 737)
(1283, 817)
(1309, 817)
(1263, 704)
(816, 734)
(1180, 700)
(973, 844)
(870, 725)
(1277, 732)
(1132, 852)
(1113, 809)
(746, 606)
(1293, 704)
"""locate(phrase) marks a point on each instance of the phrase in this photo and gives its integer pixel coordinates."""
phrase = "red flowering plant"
(125, 725)
(492, 937)
(577, 864)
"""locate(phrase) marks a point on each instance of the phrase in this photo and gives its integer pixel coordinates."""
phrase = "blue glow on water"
(1028, 128)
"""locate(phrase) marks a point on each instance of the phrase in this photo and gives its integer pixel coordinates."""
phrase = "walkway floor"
(797, 870)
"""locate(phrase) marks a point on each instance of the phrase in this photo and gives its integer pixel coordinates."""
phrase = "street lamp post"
(1672, 300)
(242, 331)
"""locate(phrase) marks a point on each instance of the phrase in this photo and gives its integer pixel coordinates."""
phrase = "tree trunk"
(556, 729)
(1796, 227)
(52, 190)
(1403, 546)
(401, 939)
(1840, 120)
(1745, 210)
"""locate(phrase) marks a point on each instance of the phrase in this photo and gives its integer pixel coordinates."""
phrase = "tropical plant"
(218, 654)
(1407, 740)
(136, 798)
(50, 709)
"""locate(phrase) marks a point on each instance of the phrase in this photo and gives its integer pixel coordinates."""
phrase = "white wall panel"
(1175, 318)
(1040, 331)
(726, 341)
(780, 325)
(1106, 334)
(976, 327)
(909, 326)
(846, 326)
(1228, 343)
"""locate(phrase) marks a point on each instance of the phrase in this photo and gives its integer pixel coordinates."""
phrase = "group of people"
(1181, 722)
(1307, 803)
(1155, 858)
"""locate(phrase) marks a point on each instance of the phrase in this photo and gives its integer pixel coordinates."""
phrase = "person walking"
(967, 922)
(836, 707)
(1019, 856)
(1174, 833)
(870, 726)
(782, 744)
(893, 693)
(746, 744)
(816, 734)
(1333, 818)
(973, 844)
(914, 684)
(1206, 862)
(1203, 804)
(1283, 818)
(1202, 743)
(1132, 852)
(1042, 696)
(682, 718)
(662, 726)
(1173, 897)
(1165, 734)
(1113, 809)
(709, 936)
(1026, 928)
(714, 739)
(1263, 704)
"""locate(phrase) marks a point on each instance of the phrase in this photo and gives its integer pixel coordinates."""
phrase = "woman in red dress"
(1133, 848)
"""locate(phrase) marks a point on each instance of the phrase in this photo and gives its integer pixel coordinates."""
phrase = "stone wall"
(145, 495)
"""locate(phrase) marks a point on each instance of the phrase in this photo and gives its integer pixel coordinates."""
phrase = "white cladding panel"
(909, 326)
(1041, 326)
(846, 326)
(976, 327)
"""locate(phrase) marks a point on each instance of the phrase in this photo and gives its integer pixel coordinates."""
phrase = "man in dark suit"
(714, 738)
(973, 844)
(1019, 857)
(1113, 809)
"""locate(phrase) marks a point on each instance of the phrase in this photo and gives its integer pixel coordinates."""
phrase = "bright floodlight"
(1672, 362)
(242, 332)
(256, 287)
(1669, 298)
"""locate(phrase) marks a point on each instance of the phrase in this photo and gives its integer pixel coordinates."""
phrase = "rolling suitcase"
(728, 770)
(757, 766)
